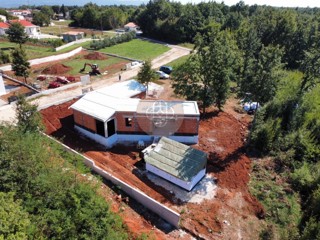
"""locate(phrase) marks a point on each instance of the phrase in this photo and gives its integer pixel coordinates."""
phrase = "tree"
(146, 74)
(20, 64)
(311, 69)
(40, 19)
(206, 74)
(4, 57)
(29, 119)
(262, 75)
(16, 33)
(14, 220)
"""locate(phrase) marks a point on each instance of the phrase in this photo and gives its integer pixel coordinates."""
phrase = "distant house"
(21, 14)
(3, 28)
(72, 36)
(115, 115)
(176, 162)
(3, 18)
(30, 29)
(132, 27)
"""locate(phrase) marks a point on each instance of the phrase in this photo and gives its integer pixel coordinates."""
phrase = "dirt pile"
(96, 56)
(57, 68)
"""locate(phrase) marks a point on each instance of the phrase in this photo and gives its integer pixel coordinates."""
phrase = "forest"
(266, 54)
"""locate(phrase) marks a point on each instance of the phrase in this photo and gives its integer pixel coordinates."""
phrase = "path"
(7, 112)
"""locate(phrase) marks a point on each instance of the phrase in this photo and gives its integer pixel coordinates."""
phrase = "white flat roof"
(125, 89)
(103, 106)
(103, 103)
(184, 108)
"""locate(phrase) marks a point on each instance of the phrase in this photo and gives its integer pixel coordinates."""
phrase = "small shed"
(176, 162)
(72, 36)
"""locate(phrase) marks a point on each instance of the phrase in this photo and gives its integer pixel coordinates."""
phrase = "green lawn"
(187, 45)
(137, 49)
(78, 62)
(175, 63)
(34, 51)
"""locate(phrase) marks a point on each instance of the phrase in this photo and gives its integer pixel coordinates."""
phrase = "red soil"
(222, 135)
(56, 68)
(96, 56)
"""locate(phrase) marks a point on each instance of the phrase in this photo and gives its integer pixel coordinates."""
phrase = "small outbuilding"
(72, 36)
(176, 162)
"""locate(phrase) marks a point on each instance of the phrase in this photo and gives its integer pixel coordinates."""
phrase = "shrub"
(4, 57)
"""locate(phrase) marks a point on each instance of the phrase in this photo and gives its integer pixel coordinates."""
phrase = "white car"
(162, 75)
(250, 107)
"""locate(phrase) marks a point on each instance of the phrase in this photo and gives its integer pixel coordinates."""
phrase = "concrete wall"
(2, 87)
(163, 211)
(131, 139)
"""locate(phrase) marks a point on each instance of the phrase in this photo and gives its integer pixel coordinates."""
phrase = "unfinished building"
(116, 115)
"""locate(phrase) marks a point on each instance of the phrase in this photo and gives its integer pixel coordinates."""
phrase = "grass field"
(178, 61)
(34, 51)
(78, 62)
(137, 49)
(60, 27)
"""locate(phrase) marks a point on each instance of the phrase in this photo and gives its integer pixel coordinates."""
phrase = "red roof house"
(31, 29)
(3, 28)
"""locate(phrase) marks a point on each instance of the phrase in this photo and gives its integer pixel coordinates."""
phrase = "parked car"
(41, 78)
(62, 80)
(71, 79)
(162, 75)
(36, 85)
(54, 84)
(166, 69)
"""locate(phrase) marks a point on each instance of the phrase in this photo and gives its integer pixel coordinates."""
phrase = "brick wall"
(84, 120)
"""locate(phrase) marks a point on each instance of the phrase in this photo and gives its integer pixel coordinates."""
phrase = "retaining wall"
(163, 211)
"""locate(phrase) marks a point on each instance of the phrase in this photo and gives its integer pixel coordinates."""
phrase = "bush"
(4, 57)
(108, 42)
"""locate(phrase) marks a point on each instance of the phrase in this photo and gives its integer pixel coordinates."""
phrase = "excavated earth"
(56, 68)
(233, 213)
(95, 56)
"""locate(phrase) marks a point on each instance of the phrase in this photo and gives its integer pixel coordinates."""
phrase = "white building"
(3, 28)
(30, 29)
(176, 162)
(3, 18)
(115, 115)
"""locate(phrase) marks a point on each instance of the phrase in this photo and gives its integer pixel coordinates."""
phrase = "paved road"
(7, 112)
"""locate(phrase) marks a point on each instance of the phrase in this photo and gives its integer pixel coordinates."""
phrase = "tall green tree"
(16, 33)
(206, 75)
(262, 75)
(29, 119)
(20, 64)
(311, 69)
(146, 74)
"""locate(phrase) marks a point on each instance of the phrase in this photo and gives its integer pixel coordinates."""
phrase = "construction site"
(218, 205)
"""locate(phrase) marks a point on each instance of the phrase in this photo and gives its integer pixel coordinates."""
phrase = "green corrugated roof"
(177, 159)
